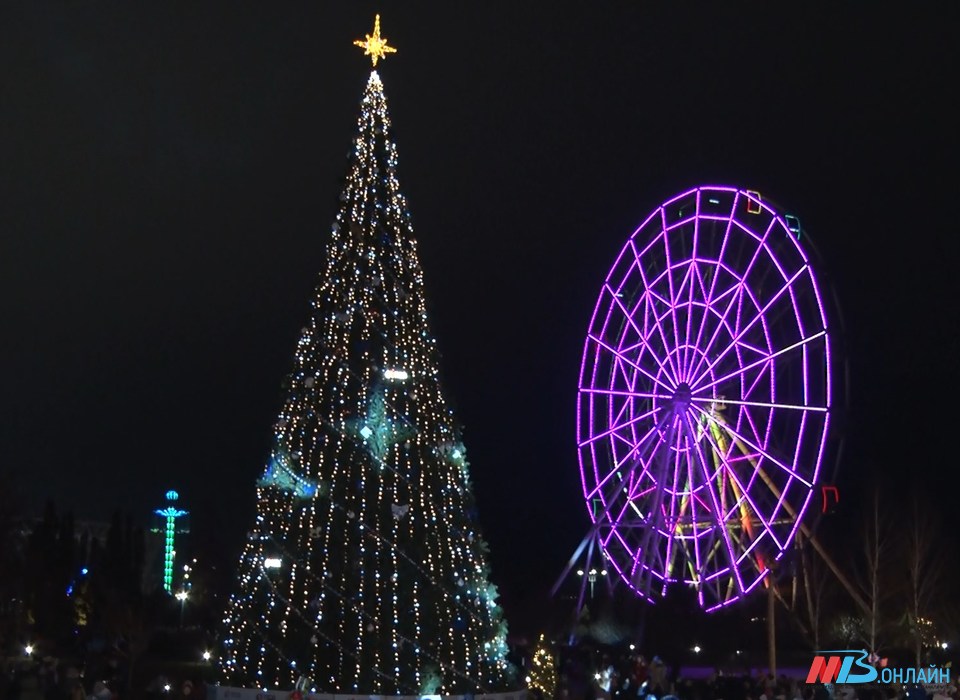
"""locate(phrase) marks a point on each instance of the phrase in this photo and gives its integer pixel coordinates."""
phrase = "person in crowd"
(658, 677)
(101, 691)
(75, 691)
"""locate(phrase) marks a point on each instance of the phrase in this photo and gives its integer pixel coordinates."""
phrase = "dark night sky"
(169, 173)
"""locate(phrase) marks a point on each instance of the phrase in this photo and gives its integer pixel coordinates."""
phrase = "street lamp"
(182, 597)
(592, 577)
(696, 649)
(206, 656)
(28, 650)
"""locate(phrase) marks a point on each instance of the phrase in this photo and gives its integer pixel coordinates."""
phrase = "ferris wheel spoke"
(736, 295)
(743, 331)
(717, 267)
(648, 294)
(628, 361)
(698, 571)
(644, 337)
(745, 423)
(744, 492)
(720, 515)
(756, 363)
(687, 349)
(759, 404)
(618, 465)
(694, 272)
(753, 446)
(674, 516)
(674, 310)
(618, 427)
(764, 372)
(665, 425)
(670, 286)
(633, 452)
(741, 278)
(627, 394)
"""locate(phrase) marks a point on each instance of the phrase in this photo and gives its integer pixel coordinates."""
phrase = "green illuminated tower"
(365, 571)
(170, 514)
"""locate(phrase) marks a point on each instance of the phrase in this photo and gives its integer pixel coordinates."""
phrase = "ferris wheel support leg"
(834, 569)
(588, 540)
(815, 543)
(795, 617)
(812, 613)
(772, 626)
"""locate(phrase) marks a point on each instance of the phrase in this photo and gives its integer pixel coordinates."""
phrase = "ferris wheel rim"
(684, 373)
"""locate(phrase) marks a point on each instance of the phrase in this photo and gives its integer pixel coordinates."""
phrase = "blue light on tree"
(280, 474)
(378, 430)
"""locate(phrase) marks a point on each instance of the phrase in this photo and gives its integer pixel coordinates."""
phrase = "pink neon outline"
(620, 406)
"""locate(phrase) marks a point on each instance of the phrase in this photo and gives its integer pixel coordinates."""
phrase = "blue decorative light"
(378, 429)
(280, 474)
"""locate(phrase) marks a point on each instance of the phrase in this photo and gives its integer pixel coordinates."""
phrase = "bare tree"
(925, 575)
(878, 546)
(816, 581)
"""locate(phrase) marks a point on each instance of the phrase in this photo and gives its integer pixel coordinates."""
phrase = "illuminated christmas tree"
(366, 571)
(543, 670)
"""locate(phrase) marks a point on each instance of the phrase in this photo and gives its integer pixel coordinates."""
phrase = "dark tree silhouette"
(923, 562)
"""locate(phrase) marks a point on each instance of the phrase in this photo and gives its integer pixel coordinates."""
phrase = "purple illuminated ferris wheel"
(704, 397)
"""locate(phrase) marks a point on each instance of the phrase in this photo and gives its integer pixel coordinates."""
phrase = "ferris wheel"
(705, 397)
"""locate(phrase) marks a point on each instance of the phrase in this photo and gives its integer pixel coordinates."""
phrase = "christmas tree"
(366, 571)
(543, 671)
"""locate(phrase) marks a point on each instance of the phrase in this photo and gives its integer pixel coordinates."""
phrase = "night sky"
(169, 173)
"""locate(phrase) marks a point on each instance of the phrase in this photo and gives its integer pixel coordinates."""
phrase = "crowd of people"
(49, 679)
(582, 674)
(598, 676)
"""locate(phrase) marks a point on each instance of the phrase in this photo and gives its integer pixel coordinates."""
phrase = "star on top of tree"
(374, 45)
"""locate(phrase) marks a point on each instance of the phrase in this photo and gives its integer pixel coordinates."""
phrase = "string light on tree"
(365, 571)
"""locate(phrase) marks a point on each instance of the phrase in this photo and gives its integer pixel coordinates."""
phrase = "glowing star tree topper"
(374, 45)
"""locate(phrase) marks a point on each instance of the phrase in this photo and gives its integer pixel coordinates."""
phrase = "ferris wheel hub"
(682, 396)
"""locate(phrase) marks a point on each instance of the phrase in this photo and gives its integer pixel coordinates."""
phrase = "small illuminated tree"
(543, 670)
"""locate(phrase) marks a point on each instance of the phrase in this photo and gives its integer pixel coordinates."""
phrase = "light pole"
(592, 577)
(182, 597)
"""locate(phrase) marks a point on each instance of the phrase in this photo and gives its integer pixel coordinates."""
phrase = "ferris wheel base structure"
(706, 396)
